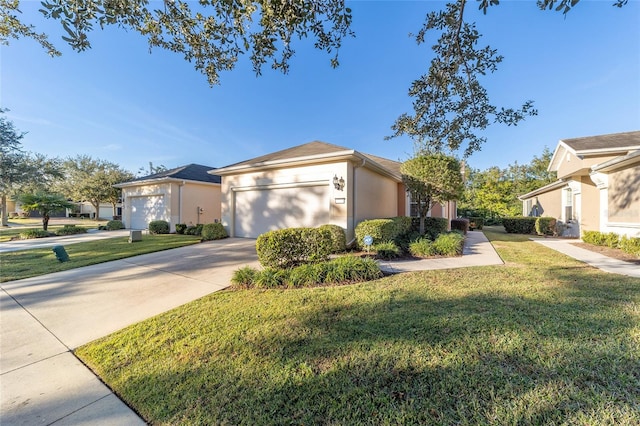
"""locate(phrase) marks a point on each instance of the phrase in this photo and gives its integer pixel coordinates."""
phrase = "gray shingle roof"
(614, 141)
(194, 172)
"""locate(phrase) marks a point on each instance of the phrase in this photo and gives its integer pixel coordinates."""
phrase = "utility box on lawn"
(61, 253)
(135, 236)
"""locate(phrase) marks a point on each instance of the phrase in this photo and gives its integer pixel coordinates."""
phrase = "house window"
(568, 205)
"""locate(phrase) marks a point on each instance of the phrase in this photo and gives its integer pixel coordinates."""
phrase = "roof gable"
(313, 152)
(192, 172)
(615, 142)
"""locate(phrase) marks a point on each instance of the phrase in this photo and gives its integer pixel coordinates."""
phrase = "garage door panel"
(147, 209)
(262, 210)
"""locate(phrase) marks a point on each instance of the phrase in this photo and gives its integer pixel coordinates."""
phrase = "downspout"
(353, 201)
(180, 201)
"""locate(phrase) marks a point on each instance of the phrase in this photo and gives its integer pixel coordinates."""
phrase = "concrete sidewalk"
(478, 251)
(44, 318)
(589, 257)
(92, 235)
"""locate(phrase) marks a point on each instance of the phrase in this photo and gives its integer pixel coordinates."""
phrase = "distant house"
(598, 187)
(187, 194)
(310, 185)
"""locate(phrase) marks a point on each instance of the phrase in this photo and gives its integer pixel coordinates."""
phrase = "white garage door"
(146, 209)
(260, 210)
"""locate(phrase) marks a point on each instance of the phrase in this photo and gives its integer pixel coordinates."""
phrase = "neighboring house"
(187, 194)
(86, 209)
(310, 185)
(598, 187)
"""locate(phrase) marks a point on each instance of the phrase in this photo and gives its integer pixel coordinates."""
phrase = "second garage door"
(146, 209)
(260, 210)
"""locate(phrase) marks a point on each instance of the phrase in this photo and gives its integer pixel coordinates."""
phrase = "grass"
(31, 263)
(7, 233)
(543, 339)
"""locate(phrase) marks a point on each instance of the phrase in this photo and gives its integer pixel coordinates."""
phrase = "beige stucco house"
(310, 185)
(598, 187)
(187, 194)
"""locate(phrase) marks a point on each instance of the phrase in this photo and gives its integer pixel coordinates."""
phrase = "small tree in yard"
(45, 204)
(430, 179)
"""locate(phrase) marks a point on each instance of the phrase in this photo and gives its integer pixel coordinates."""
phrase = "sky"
(120, 103)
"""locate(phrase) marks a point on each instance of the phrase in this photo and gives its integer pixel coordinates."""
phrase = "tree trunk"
(5, 222)
(45, 221)
(96, 205)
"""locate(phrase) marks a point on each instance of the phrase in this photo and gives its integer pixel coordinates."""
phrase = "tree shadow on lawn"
(416, 356)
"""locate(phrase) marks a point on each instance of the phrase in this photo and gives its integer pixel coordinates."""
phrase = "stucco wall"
(376, 196)
(550, 203)
(624, 195)
(194, 197)
(571, 164)
(590, 208)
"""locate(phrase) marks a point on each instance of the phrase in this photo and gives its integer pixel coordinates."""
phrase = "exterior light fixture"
(338, 183)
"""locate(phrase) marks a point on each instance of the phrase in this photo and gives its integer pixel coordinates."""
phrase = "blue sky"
(119, 103)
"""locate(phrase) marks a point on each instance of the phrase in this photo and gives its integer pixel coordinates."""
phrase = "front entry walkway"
(478, 251)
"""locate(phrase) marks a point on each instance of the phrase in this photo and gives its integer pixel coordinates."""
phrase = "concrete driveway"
(44, 318)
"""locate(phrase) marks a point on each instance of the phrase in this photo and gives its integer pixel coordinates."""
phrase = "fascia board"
(617, 163)
(289, 162)
(542, 190)
(159, 181)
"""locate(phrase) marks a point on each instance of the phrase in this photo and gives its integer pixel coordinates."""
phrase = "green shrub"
(159, 227)
(450, 244)
(494, 221)
(546, 226)
(348, 269)
(213, 231)
(402, 225)
(338, 238)
(382, 230)
(289, 247)
(519, 225)
(404, 240)
(461, 224)
(307, 275)
(630, 245)
(433, 226)
(180, 228)
(387, 250)
(597, 238)
(71, 230)
(29, 234)
(194, 230)
(113, 225)
(270, 278)
(422, 248)
(244, 277)
(475, 222)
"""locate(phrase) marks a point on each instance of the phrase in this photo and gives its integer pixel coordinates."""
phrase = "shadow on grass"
(414, 355)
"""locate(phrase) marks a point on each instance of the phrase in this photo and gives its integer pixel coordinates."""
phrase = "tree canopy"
(45, 203)
(431, 178)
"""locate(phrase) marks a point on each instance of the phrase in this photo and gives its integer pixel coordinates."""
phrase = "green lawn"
(30, 263)
(7, 233)
(541, 340)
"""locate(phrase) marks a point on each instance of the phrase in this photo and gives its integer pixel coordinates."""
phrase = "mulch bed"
(610, 252)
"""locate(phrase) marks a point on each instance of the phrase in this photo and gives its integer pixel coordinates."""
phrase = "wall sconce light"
(338, 183)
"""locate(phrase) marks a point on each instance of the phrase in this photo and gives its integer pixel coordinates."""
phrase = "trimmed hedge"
(194, 230)
(180, 228)
(519, 225)
(475, 222)
(159, 227)
(338, 238)
(433, 226)
(461, 224)
(29, 234)
(289, 247)
(630, 245)
(382, 230)
(114, 225)
(71, 230)
(546, 226)
(213, 231)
